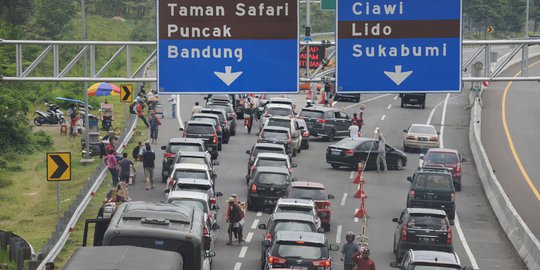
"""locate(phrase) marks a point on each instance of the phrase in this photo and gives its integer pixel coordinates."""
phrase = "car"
(174, 146)
(349, 152)
(423, 259)
(413, 99)
(223, 119)
(214, 120)
(352, 96)
(326, 122)
(193, 184)
(219, 98)
(316, 192)
(287, 122)
(198, 200)
(231, 114)
(449, 158)
(267, 186)
(281, 100)
(270, 160)
(299, 250)
(275, 110)
(421, 137)
(278, 135)
(204, 131)
(263, 148)
(203, 158)
(306, 206)
(284, 221)
(422, 229)
(305, 133)
(192, 171)
(432, 188)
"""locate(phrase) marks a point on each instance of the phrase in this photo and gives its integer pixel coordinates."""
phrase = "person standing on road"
(148, 158)
(363, 262)
(353, 131)
(381, 153)
(112, 165)
(154, 125)
(361, 117)
(126, 166)
(240, 230)
(235, 216)
(196, 108)
(348, 250)
(173, 103)
(136, 151)
(140, 113)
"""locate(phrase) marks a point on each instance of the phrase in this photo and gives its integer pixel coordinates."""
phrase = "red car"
(449, 158)
(316, 192)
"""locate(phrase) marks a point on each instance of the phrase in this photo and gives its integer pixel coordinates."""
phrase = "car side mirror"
(262, 226)
(248, 152)
(463, 159)
(294, 179)
(210, 254)
(302, 128)
(394, 265)
(409, 178)
(330, 197)
(215, 207)
(395, 220)
(167, 190)
(405, 130)
(266, 243)
(215, 163)
(215, 227)
(294, 165)
(421, 157)
(219, 194)
(320, 230)
(181, 129)
(258, 133)
(164, 147)
(333, 247)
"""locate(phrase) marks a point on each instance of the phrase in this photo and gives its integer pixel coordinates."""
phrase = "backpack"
(132, 108)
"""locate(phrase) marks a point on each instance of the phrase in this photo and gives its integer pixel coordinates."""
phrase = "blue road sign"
(206, 46)
(398, 46)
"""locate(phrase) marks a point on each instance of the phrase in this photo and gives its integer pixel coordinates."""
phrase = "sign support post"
(58, 170)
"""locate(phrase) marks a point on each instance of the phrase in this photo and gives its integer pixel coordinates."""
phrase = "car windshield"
(433, 181)
(190, 174)
(295, 208)
(273, 134)
(423, 130)
(189, 203)
(272, 162)
(218, 113)
(293, 226)
(175, 148)
(199, 129)
(194, 186)
(212, 121)
(347, 143)
(267, 150)
(279, 123)
(300, 251)
(279, 111)
(312, 114)
(194, 160)
(441, 158)
(434, 267)
(427, 222)
(272, 178)
(308, 193)
(227, 108)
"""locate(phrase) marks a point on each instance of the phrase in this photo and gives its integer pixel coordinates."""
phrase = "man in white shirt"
(173, 103)
(353, 131)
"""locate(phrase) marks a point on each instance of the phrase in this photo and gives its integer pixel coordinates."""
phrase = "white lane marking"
(338, 234)
(243, 252)
(389, 106)
(384, 116)
(343, 199)
(178, 116)
(396, 97)
(259, 214)
(334, 104)
(355, 218)
(366, 101)
(237, 266)
(352, 175)
(456, 220)
(249, 236)
(255, 223)
(376, 130)
(465, 244)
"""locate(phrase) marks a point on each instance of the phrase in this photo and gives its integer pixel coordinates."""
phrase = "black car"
(423, 259)
(413, 99)
(326, 122)
(278, 135)
(299, 250)
(223, 119)
(214, 119)
(432, 188)
(174, 146)
(422, 229)
(204, 131)
(231, 114)
(284, 221)
(267, 186)
(352, 96)
(349, 152)
(263, 148)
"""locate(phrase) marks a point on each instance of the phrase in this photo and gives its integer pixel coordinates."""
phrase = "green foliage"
(52, 17)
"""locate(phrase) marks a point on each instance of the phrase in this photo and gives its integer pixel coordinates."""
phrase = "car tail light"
(253, 169)
(213, 201)
(349, 152)
(410, 137)
(215, 138)
(268, 236)
(171, 182)
(323, 263)
(306, 134)
(322, 121)
(273, 259)
(168, 155)
(404, 233)
(254, 188)
(206, 233)
(449, 236)
(218, 128)
(434, 139)
(453, 197)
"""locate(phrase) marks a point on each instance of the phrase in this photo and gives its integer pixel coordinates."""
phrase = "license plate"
(422, 138)
(426, 239)
(269, 201)
(413, 99)
(300, 267)
(336, 153)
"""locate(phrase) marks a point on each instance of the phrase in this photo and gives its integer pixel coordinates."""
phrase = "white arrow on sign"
(398, 77)
(228, 77)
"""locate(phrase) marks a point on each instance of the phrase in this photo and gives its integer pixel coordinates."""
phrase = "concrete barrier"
(525, 243)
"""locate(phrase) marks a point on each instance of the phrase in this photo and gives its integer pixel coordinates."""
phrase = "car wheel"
(219, 146)
(326, 227)
(330, 136)
(423, 105)
(251, 206)
(233, 131)
(405, 148)
(335, 166)
(357, 99)
(402, 104)
(458, 186)
(399, 164)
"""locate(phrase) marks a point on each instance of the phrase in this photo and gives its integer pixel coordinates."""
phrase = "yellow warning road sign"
(490, 29)
(59, 166)
(126, 93)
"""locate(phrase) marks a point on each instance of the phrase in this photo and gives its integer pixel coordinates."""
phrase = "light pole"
(527, 20)
(86, 155)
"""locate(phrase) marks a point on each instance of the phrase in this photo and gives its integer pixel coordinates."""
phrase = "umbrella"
(73, 100)
(103, 89)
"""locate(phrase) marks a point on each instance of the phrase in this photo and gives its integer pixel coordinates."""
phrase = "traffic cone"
(360, 193)
(358, 175)
(309, 93)
(323, 98)
(361, 213)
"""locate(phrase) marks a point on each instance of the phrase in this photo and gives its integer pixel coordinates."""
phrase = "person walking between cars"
(196, 108)
(381, 153)
(361, 117)
(126, 166)
(353, 131)
(112, 165)
(154, 125)
(348, 250)
(240, 230)
(363, 262)
(235, 216)
(148, 158)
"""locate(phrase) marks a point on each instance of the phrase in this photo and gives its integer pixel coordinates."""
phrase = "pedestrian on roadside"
(112, 165)
(361, 116)
(136, 151)
(173, 103)
(363, 262)
(381, 153)
(110, 146)
(140, 113)
(348, 250)
(196, 108)
(235, 216)
(126, 167)
(355, 120)
(242, 205)
(353, 131)
(148, 158)
(49, 266)
(154, 125)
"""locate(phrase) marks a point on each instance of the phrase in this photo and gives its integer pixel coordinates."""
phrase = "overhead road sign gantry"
(231, 46)
(398, 46)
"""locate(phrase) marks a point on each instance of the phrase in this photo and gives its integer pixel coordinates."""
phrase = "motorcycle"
(106, 122)
(52, 116)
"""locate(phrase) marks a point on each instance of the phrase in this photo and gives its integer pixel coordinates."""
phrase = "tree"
(52, 17)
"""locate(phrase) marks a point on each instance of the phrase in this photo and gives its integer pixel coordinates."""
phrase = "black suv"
(422, 259)
(267, 186)
(413, 99)
(327, 122)
(432, 188)
(225, 124)
(422, 229)
(263, 148)
(205, 131)
(231, 114)
(174, 146)
(278, 135)
(299, 250)
(341, 96)
(214, 119)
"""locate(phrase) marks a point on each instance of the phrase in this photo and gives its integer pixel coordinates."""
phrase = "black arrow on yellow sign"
(126, 92)
(59, 166)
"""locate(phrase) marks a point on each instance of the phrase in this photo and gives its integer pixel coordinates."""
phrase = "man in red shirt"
(363, 262)
(140, 113)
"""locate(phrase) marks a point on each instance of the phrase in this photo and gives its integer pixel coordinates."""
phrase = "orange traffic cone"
(309, 93)
(360, 193)
(361, 213)
(358, 175)
(323, 98)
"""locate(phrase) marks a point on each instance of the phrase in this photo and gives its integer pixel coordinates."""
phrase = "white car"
(190, 171)
(196, 199)
(298, 205)
(275, 110)
(420, 136)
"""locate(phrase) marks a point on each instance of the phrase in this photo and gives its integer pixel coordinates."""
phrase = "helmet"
(350, 233)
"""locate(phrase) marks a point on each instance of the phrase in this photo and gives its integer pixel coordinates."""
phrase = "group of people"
(138, 108)
(355, 257)
(234, 217)
(355, 131)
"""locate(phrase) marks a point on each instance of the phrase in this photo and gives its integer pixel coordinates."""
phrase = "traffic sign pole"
(58, 201)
